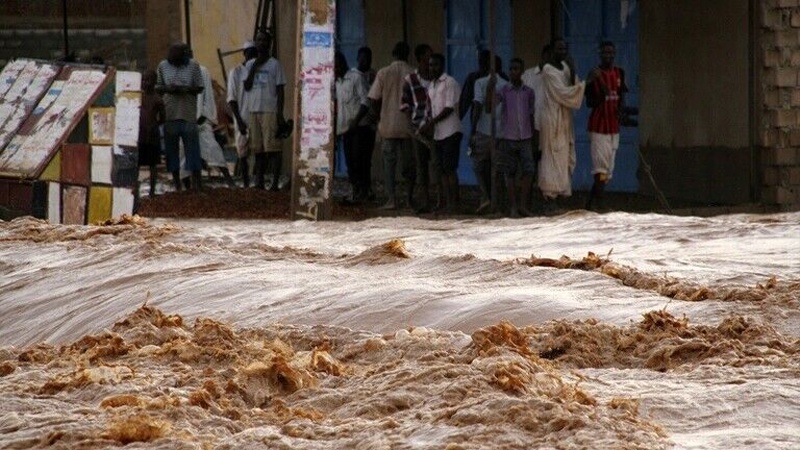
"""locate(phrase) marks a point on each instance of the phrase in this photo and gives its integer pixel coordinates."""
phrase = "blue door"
(467, 27)
(350, 33)
(350, 36)
(586, 24)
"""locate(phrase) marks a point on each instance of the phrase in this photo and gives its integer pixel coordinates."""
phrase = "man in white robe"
(210, 150)
(563, 94)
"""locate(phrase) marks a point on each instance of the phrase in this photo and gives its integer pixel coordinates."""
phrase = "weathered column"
(778, 87)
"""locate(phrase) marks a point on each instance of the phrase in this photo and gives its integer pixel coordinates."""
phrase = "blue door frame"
(350, 36)
(467, 32)
(586, 24)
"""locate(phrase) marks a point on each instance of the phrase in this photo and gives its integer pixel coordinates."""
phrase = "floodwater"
(401, 333)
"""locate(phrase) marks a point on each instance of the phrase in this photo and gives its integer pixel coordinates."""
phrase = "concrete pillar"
(778, 102)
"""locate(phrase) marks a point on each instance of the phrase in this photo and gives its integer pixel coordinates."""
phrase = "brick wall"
(779, 96)
(112, 30)
(122, 48)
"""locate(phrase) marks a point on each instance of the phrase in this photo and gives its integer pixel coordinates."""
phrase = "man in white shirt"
(533, 79)
(483, 163)
(443, 120)
(237, 104)
(264, 101)
(351, 107)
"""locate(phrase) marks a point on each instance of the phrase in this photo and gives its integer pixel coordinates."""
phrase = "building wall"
(532, 29)
(221, 25)
(164, 22)
(778, 102)
(111, 30)
(695, 103)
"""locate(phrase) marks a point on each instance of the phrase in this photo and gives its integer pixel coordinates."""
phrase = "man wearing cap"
(264, 100)
(236, 102)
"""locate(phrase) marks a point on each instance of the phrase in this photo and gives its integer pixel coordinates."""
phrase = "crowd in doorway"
(521, 138)
(521, 134)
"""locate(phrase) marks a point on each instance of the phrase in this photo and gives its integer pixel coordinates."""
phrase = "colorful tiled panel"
(54, 202)
(75, 164)
(53, 170)
(99, 204)
(102, 161)
(122, 202)
(73, 205)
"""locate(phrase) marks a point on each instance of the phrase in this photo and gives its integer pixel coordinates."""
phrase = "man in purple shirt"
(517, 106)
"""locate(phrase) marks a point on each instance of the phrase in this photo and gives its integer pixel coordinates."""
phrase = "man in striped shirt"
(179, 80)
(605, 95)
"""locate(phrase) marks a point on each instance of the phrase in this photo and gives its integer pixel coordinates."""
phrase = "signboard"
(314, 143)
(56, 115)
(68, 140)
(22, 84)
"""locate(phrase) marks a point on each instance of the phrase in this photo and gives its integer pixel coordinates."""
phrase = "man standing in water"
(562, 95)
(237, 104)
(264, 100)
(179, 80)
(605, 95)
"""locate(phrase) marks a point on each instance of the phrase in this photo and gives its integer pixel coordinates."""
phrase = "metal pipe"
(66, 29)
(221, 57)
(405, 21)
(752, 86)
(188, 21)
(493, 125)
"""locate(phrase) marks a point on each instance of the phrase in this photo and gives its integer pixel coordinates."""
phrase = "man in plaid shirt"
(415, 104)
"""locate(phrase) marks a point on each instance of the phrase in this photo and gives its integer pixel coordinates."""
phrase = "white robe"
(533, 79)
(210, 150)
(557, 134)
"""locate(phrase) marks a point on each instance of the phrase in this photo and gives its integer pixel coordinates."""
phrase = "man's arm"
(197, 81)
(240, 123)
(477, 104)
(161, 87)
(361, 92)
(467, 95)
(532, 109)
(251, 74)
(280, 82)
(234, 84)
(280, 93)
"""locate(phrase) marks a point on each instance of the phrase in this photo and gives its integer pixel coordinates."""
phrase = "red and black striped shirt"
(606, 105)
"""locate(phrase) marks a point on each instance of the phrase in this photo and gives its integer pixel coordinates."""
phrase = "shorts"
(513, 156)
(482, 151)
(449, 150)
(262, 128)
(604, 149)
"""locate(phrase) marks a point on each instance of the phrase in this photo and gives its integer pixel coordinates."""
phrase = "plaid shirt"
(415, 98)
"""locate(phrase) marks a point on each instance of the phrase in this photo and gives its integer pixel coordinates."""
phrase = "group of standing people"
(522, 123)
(178, 102)
(419, 112)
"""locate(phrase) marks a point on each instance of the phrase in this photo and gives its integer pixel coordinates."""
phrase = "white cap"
(248, 44)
